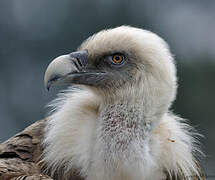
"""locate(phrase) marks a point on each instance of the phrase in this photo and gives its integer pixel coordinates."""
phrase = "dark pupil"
(117, 58)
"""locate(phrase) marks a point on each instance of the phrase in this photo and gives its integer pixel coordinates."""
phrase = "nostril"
(79, 58)
(76, 65)
(79, 62)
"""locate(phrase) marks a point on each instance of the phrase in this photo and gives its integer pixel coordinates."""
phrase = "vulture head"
(116, 125)
(122, 63)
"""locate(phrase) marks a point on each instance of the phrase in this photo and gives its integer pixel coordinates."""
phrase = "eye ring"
(117, 58)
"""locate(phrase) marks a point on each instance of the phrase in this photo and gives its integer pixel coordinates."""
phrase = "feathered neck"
(115, 139)
(122, 123)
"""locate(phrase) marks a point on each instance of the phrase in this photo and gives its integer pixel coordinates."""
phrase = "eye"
(117, 58)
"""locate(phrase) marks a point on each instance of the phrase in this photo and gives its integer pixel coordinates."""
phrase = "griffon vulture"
(114, 122)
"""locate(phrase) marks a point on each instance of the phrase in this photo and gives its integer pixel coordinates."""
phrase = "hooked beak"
(71, 68)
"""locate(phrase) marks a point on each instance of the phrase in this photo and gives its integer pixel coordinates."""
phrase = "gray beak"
(62, 69)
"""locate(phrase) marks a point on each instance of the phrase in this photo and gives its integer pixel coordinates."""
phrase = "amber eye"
(117, 59)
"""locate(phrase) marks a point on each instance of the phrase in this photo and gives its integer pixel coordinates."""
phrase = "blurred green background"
(33, 32)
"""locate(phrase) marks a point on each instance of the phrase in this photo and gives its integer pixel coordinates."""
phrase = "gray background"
(33, 32)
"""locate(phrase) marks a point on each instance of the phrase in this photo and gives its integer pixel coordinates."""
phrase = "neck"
(122, 123)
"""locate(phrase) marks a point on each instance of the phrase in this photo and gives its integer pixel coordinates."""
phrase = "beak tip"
(47, 86)
(62, 66)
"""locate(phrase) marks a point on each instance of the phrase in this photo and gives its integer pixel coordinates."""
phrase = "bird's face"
(100, 63)
(117, 60)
